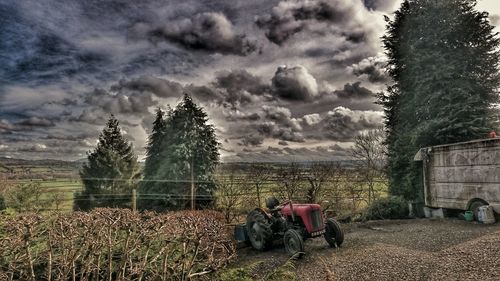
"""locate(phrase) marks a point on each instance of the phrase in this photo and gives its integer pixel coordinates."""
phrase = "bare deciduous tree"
(258, 175)
(370, 151)
(57, 198)
(229, 192)
(290, 181)
(318, 176)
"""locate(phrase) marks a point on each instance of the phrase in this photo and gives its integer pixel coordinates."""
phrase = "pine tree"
(188, 150)
(153, 157)
(109, 174)
(443, 58)
(154, 144)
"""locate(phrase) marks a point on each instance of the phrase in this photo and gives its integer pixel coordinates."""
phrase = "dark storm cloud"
(203, 93)
(276, 131)
(279, 114)
(160, 87)
(33, 148)
(294, 83)
(251, 140)
(289, 18)
(48, 58)
(355, 36)
(209, 31)
(120, 103)
(287, 134)
(72, 42)
(241, 80)
(237, 116)
(76, 137)
(373, 68)
(274, 122)
(25, 124)
(354, 91)
(319, 52)
(94, 116)
(6, 127)
(36, 122)
(239, 88)
(230, 89)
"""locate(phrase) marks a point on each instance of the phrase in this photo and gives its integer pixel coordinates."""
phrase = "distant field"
(61, 190)
(58, 179)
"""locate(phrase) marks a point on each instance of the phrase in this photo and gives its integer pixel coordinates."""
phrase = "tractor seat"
(272, 203)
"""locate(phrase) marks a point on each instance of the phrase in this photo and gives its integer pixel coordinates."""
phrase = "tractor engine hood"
(310, 214)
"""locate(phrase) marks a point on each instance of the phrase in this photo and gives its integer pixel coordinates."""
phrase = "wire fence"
(347, 186)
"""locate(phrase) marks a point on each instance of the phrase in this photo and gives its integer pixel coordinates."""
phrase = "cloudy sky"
(280, 80)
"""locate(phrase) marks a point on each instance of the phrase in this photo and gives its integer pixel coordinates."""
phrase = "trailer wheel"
(334, 234)
(474, 207)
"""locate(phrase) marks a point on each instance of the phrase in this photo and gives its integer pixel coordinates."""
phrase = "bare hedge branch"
(113, 244)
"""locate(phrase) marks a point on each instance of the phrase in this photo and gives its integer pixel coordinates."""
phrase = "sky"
(280, 80)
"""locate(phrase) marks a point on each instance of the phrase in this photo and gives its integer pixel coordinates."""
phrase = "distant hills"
(5, 161)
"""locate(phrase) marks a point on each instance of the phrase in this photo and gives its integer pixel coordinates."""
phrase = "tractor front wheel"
(294, 244)
(259, 230)
(334, 234)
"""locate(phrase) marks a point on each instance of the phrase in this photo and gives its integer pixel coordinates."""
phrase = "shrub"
(25, 197)
(394, 207)
(114, 244)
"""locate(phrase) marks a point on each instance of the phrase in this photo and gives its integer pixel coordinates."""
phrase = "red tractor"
(293, 222)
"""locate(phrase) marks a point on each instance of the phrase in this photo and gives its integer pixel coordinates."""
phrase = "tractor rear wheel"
(259, 230)
(334, 234)
(294, 244)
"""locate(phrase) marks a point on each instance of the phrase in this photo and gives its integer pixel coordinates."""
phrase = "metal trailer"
(462, 176)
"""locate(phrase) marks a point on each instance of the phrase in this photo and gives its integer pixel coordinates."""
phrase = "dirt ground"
(420, 249)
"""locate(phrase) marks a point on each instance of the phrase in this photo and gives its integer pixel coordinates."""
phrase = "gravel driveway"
(419, 249)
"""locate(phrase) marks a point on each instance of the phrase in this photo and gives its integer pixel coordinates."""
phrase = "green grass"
(64, 187)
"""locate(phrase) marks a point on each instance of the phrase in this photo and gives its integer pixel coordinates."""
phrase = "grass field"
(59, 192)
(58, 180)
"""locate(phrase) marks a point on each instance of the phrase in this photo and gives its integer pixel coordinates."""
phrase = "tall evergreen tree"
(443, 58)
(153, 149)
(109, 174)
(153, 157)
(188, 151)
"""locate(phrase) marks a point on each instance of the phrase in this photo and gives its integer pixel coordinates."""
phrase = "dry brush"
(113, 244)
